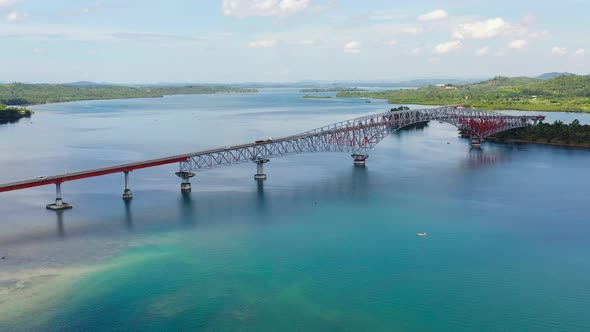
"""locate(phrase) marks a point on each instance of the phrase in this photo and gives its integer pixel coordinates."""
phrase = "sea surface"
(320, 245)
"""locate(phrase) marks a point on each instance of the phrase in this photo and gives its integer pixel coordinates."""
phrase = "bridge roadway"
(122, 168)
(356, 136)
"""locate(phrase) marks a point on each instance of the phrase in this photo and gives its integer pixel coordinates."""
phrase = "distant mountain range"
(319, 83)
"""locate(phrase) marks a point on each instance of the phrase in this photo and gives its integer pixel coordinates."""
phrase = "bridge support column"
(476, 142)
(359, 159)
(59, 203)
(127, 194)
(185, 185)
(260, 168)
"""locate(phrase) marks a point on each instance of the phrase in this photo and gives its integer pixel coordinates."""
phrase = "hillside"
(563, 93)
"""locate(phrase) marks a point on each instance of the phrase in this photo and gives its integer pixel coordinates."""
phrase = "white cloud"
(245, 8)
(391, 42)
(293, 6)
(352, 47)
(7, 3)
(386, 15)
(434, 15)
(517, 44)
(447, 47)
(580, 52)
(482, 30)
(263, 43)
(529, 18)
(558, 51)
(16, 17)
(483, 51)
(416, 51)
(539, 34)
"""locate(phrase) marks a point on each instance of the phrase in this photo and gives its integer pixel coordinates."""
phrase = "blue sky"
(132, 41)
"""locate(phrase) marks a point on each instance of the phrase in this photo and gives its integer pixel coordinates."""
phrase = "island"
(316, 97)
(33, 94)
(13, 114)
(566, 93)
(334, 89)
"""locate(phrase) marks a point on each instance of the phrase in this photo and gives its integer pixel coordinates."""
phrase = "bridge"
(356, 136)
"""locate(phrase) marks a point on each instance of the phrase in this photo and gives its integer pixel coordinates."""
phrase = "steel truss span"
(360, 135)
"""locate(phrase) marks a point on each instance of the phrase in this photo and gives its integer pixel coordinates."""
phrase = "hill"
(548, 76)
(563, 93)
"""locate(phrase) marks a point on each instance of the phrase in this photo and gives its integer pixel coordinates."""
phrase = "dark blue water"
(320, 245)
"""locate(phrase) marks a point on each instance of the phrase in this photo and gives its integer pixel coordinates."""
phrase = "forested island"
(32, 94)
(336, 89)
(557, 133)
(307, 96)
(564, 93)
(13, 114)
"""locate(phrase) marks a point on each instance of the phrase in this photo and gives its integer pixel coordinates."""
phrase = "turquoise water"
(321, 245)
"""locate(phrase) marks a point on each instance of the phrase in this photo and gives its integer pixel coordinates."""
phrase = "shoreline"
(123, 98)
(483, 108)
(520, 141)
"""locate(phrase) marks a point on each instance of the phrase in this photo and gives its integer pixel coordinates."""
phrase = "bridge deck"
(59, 178)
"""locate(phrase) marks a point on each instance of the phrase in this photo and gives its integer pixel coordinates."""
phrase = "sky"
(231, 41)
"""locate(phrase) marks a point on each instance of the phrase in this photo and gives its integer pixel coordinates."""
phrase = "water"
(321, 245)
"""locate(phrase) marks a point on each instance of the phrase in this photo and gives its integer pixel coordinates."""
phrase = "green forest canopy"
(13, 114)
(555, 133)
(31, 94)
(564, 93)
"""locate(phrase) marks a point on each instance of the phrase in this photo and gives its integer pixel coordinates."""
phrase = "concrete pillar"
(127, 195)
(59, 203)
(260, 168)
(185, 185)
(476, 142)
(359, 159)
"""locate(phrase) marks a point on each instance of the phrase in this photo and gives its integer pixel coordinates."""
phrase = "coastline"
(138, 97)
(481, 107)
(520, 141)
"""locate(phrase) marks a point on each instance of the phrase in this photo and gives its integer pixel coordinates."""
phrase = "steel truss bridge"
(356, 136)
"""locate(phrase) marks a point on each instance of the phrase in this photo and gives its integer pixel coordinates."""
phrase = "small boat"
(421, 234)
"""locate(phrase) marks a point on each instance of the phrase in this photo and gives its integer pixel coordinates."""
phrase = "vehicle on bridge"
(263, 140)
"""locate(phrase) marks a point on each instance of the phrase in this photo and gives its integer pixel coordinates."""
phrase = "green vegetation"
(336, 89)
(401, 108)
(31, 94)
(316, 97)
(563, 93)
(558, 133)
(13, 114)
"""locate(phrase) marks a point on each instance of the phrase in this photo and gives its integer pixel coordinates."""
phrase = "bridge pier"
(59, 203)
(185, 185)
(476, 142)
(359, 159)
(260, 168)
(127, 194)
